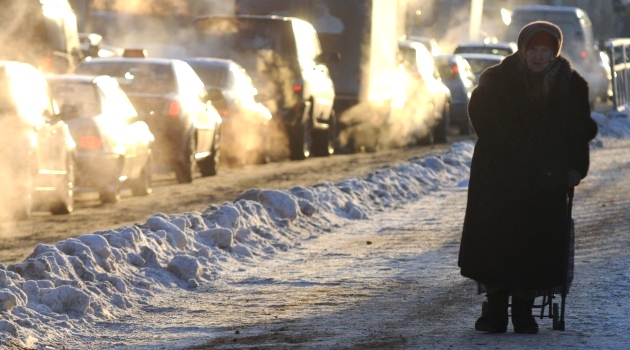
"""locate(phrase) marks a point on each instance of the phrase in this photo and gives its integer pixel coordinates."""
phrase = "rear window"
(211, 75)
(134, 76)
(81, 95)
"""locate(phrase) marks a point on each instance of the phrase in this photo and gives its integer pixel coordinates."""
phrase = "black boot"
(522, 318)
(495, 319)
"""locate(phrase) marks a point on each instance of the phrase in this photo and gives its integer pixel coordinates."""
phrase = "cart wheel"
(484, 308)
(555, 314)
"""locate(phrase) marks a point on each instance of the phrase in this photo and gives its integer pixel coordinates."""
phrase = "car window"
(211, 75)
(81, 95)
(134, 76)
(189, 83)
(31, 94)
(308, 46)
(116, 103)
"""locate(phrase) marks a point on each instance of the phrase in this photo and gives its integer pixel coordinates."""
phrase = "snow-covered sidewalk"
(146, 286)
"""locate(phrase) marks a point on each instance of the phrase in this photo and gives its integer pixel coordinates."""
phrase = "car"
(283, 56)
(428, 97)
(246, 122)
(480, 61)
(113, 145)
(430, 43)
(42, 33)
(458, 75)
(37, 152)
(171, 98)
(489, 46)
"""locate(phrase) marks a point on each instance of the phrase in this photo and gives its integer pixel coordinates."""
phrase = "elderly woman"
(532, 117)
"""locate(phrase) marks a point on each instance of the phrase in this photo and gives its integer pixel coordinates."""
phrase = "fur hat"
(540, 32)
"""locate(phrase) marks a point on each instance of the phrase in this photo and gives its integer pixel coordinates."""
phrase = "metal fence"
(619, 53)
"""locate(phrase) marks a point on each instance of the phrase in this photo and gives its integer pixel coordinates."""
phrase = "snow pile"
(96, 277)
(613, 125)
(60, 290)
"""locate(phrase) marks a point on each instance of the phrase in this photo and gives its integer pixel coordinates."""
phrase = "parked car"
(480, 61)
(169, 96)
(36, 150)
(113, 145)
(488, 47)
(458, 75)
(283, 55)
(428, 97)
(245, 129)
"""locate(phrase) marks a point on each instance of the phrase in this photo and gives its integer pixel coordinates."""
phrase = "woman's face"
(538, 57)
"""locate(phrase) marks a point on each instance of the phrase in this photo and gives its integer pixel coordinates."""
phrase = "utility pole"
(476, 13)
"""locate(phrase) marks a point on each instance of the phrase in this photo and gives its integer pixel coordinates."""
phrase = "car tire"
(301, 137)
(109, 194)
(185, 165)
(324, 140)
(210, 165)
(440, 131)
(63, 203)
(141, 186)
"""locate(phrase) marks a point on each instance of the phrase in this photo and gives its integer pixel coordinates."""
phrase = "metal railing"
(618, 50)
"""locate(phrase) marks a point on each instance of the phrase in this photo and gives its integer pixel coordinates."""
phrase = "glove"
(573, 177)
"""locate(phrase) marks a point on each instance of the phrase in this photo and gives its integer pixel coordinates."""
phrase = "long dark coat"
(515, 225)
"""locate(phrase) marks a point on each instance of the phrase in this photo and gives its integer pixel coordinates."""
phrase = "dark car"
(491, 47)
(479, 62)
(36, 148)
(113, 145)
(428, 98)
(169, 96)
(283, 55)
(245, 130)
(457, 74)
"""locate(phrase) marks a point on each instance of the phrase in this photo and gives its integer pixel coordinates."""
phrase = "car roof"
(151, 60)
(501, 44)
(547, 8)
(210, 61)
(482, 56)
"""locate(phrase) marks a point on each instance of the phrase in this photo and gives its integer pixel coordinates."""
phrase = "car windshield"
(83, 96)
(134, 76)
(479, 65)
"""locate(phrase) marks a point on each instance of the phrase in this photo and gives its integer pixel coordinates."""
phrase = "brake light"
(223, 112)
(89, 142)
(297, 88)
(455, 69)
(583, 54)
(174, 108)
(46, 65)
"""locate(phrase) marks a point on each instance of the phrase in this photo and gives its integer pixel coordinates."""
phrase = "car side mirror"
(69, 111)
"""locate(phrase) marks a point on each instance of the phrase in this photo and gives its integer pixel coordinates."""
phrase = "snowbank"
(61, 289)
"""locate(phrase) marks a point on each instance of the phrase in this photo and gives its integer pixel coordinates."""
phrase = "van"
(284, 57)
(578, 45)
(40, 32)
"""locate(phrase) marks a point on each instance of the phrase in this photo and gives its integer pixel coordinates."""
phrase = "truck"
(364, 33)
(42, 33)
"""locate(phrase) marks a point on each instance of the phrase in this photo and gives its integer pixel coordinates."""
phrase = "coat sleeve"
(581, 127)
(481, 100)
